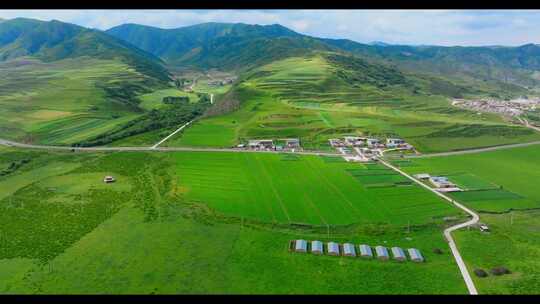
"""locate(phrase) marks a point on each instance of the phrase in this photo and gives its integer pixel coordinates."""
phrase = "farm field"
(63, 102)
(302, 97)
(306, 190)
(144, 234)
(516, 170)
(511, 214)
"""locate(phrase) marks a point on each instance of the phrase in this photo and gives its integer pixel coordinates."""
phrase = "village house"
(261, 144)
(441, 182)
(292, 142)
(373, 142)
(354, 141)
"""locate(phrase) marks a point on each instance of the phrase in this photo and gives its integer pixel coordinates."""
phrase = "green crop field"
(62, 102)
(515, 170)
(307, 190)
(470, 181)
(513, 238)
(158, 229)
(302, 97)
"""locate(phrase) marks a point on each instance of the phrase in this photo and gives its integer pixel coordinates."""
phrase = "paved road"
(172, 134)
(447, 232)
(471, 151)
(5, 142)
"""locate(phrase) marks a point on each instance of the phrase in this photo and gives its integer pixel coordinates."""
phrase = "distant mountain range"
(55, 40)
(231, 46)
(241, 46)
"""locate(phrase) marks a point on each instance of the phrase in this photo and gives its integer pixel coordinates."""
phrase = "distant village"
(510, 109)
(222, 82)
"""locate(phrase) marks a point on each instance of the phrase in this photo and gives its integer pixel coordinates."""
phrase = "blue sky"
(435, 27)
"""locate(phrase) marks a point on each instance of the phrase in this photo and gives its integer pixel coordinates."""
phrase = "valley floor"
(164, 228)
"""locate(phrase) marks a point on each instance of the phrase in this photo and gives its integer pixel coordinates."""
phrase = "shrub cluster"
(14, 166)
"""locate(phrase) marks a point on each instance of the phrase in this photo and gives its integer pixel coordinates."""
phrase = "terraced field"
(306, 98)
(65, 101)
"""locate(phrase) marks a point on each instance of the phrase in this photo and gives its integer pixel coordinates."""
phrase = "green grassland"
(511, 213)
(315, 98)
(159, 230)
(64, 102)
(513, 243)
(154, 100)
(308, 190)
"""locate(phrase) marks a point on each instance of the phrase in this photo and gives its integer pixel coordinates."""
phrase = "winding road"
(448, 231)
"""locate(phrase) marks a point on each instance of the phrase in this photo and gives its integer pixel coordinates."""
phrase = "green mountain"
(232, 46)
(219, 45)
(508, 65)
(65, 84)
(55, 40)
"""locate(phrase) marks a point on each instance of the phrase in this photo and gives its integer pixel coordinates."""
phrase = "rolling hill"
(326, 95)
(65, 84)
(55, 40)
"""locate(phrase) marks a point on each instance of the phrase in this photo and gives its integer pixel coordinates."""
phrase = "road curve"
(9, 143)
(447, 232)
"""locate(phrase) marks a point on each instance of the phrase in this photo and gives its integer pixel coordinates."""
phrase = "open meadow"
(159, 230)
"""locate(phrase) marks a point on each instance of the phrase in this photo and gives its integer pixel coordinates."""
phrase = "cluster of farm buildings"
(222, 82)
(356, 148)
(348, 249)
(282, 144)
(440, 183)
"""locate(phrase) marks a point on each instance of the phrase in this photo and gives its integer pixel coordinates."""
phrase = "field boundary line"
(447, 232)
(172, 134)
(472, 151)
(335, 189)
(265, 172)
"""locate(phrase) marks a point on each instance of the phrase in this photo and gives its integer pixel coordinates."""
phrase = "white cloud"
(441, 27)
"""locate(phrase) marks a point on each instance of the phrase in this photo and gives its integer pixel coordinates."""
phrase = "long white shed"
(300, 246)
(398, 254)
(316, 247)
(415, 255)
(348, 250)
(382, 253)
(365, 251)
(332, 248)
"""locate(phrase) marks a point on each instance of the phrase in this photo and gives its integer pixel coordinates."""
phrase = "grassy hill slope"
(326, 95)
(65, 84)
(218, 45)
